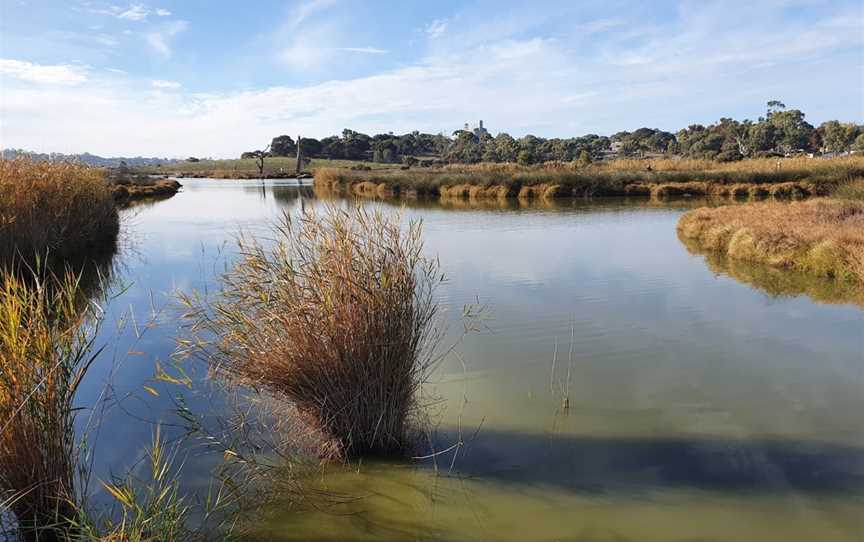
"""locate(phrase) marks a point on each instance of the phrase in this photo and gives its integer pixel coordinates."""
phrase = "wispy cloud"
(160, 39)
(161, 12)
(161, 83)
(436, 28)
(364, 50)
(134, 12)
(58, 74)
(305, 10)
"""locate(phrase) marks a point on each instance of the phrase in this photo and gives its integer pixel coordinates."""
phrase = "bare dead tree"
(259, 157)
(299, 155)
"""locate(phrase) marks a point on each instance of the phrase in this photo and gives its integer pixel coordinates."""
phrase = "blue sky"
(209, 78)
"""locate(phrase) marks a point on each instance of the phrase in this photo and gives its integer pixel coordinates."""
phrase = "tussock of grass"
(45, 350)
(338, 318)
(56, 209)
(852, 190)
(749, 178)
(823, 237)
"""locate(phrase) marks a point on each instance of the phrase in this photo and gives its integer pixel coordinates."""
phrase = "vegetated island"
(822, 237)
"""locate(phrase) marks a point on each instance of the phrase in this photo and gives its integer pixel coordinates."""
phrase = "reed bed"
(54, 210)
(337, 317)
(613, 178)
(823, 237)
(45, 350)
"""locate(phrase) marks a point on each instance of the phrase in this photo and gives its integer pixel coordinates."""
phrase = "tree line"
(781, 132)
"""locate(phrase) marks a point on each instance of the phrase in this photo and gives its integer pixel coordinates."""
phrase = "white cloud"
(135, 12)
(365, 50)
(163, 12)
(691, 71)
(59, 74)
(436, 28)
(306, 9)
(160, 38)
(161, 83)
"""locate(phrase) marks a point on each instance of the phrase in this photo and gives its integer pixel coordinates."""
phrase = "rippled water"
(705, 402)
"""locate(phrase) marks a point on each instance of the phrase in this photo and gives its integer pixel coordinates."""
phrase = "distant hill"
(89, 159)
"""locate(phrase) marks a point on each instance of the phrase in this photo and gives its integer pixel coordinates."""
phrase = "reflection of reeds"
(45, 350)
(778, 282)
(338, 318)
(56, 209)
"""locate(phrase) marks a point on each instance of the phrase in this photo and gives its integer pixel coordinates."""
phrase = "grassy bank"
(58, 210)
(129, 190)
(752, 178)
(822, 237)
(247, 168)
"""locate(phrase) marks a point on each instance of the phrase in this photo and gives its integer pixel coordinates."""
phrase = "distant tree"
(259, 157)
(584, 158)
(838, 137)
(858, 144)
(192, 159)
(283, 145)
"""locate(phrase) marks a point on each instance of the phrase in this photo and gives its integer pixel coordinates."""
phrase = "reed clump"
(45, 350)
(338, 317)
(823, 237)
(57, 209)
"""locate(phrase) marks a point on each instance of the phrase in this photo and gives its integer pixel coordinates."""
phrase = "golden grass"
(749, 178)
(54, 210)
(338, 318)
(823, 237)
(45, 350)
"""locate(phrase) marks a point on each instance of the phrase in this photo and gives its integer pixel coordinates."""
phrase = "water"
(707, 401)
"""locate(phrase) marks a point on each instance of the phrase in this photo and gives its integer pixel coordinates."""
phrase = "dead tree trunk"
(299, 155)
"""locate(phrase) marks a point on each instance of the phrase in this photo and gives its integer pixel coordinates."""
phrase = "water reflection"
(779, 282)
(700, 409)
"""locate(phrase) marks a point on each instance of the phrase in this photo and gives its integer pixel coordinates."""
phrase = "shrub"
(338, 317)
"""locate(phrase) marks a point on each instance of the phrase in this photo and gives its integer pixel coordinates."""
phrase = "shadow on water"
(779, 282)
(598, 465)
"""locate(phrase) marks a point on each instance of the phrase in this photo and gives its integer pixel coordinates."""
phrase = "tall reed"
(46, 340)
(54, 209)
(338, 317)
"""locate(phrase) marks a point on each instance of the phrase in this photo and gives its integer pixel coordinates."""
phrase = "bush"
(338, 317)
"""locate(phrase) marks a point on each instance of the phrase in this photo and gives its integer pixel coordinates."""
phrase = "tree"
(282, 145)
(259, 157)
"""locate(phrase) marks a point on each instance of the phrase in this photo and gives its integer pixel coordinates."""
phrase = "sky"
(216, 78)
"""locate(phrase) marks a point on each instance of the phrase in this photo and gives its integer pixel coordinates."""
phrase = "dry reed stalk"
(338, 317)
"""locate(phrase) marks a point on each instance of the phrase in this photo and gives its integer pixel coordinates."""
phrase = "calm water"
(701, 407)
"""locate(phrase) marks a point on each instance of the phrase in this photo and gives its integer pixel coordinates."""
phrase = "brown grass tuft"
(337, 317)
(824, 237)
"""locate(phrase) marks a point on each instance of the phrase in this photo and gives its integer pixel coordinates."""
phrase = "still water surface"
(701, 407)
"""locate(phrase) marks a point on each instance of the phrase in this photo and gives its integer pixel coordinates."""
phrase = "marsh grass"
(54, 211)
(46, 347)
(612, 178)
(337, 317)
(822, 237)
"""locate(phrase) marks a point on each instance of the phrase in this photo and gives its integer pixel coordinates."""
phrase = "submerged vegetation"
(338, 317)
(757, 177)
(823, 237)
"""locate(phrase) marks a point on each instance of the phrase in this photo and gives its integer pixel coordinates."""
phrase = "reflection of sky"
(661, 345)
